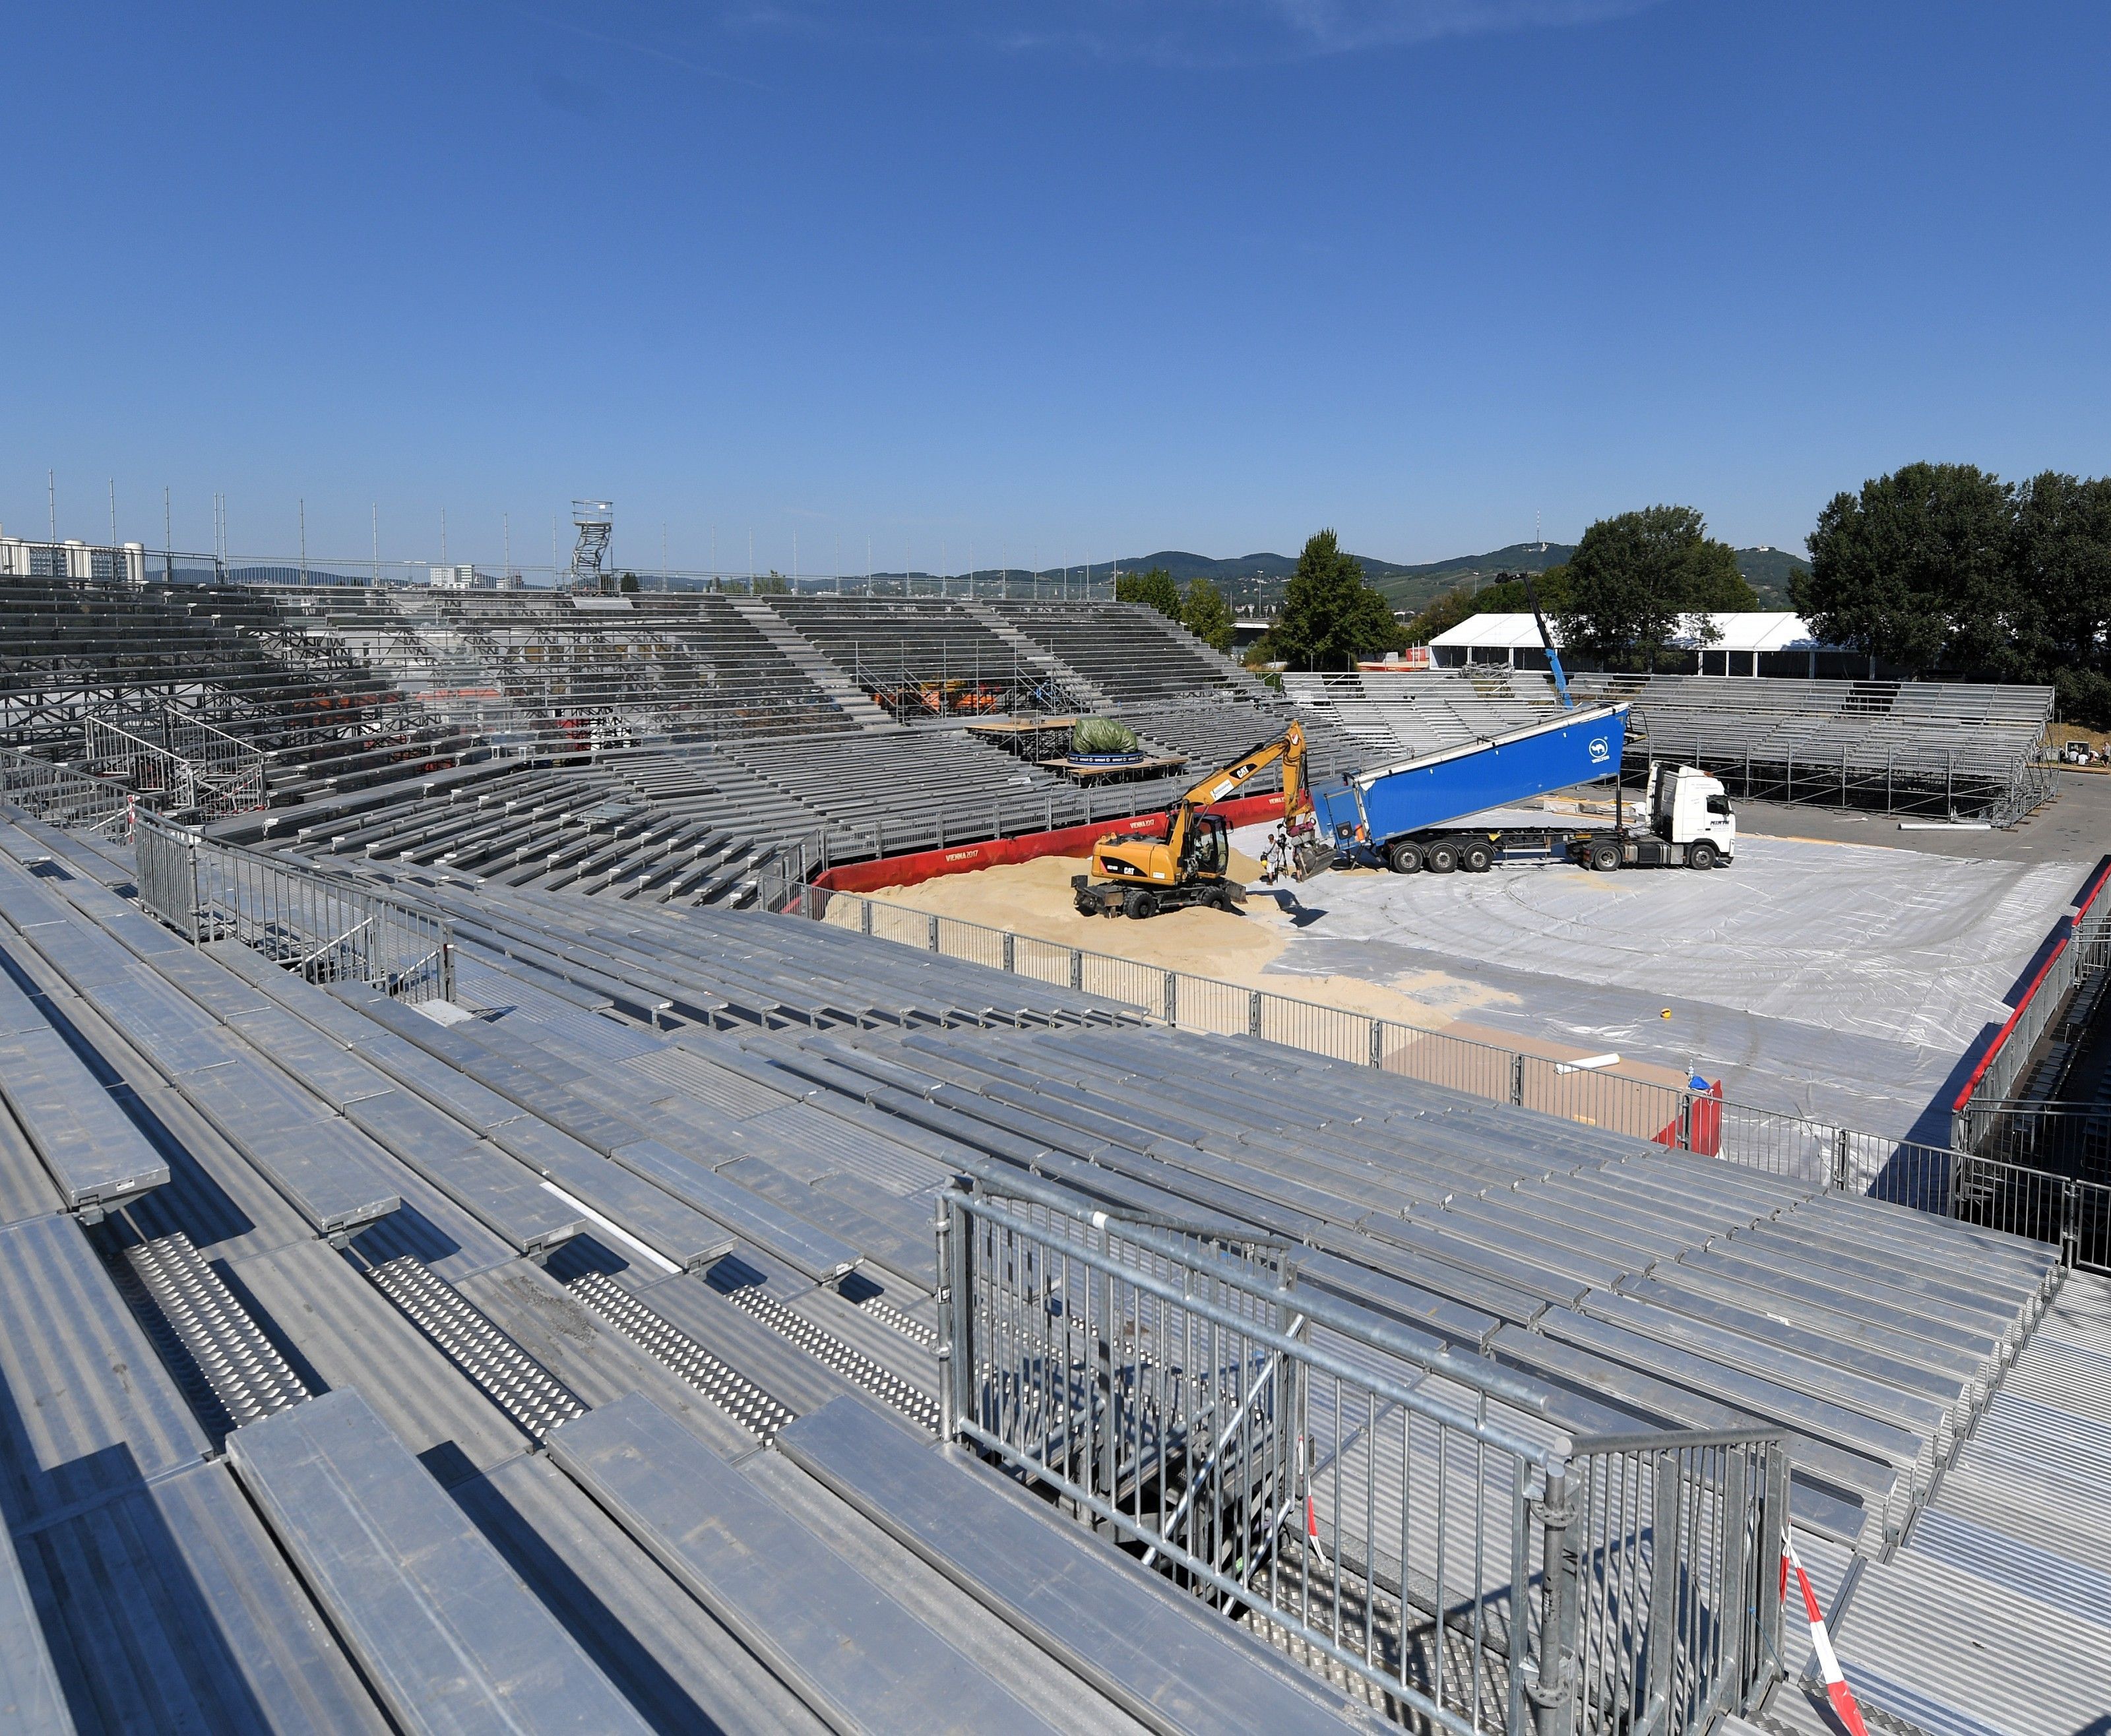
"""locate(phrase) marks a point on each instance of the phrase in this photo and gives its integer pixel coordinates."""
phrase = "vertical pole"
(1378, 1043)
(1009, 938)
(1550, 1688)
(942, 1227)
(1172, 996)
(1772, 1545)
(932, 921)
(1517, 1079)
(1107, 1479)
(1253, 1012)
(1666, 1558)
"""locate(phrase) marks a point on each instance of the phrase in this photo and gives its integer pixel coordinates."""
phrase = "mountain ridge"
(1415, 587)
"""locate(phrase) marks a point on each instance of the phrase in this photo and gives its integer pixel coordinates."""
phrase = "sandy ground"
(1839, 980)
(1034, 898)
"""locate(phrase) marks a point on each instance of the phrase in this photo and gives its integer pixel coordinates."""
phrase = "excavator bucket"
(1311, 859)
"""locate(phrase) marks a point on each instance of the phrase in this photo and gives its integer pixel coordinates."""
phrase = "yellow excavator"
(1138, 874)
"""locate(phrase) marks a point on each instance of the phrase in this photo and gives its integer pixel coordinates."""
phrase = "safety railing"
(1414, 1517)
(327, 931)
(194, 769)
(2069, 1139)
(1936, 1178)
(58, 794)
(2058, 994)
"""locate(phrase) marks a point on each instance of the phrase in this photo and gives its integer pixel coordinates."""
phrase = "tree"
(2060, 579)
(1330, 616)
(1205, 612)
(1916, 569)
(1633, 578)
(1155, 589)
(628, 584)
(773, 583)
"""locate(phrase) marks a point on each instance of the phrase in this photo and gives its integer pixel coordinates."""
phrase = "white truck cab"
(1691, 812)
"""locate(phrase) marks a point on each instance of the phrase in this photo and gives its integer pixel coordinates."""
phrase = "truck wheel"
(1406, 857)
(1477, 859)
(1701, 855)
(1605, 858)
(1141, 905)
(1441, 858)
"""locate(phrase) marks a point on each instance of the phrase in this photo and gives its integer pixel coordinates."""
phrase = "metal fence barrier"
(193, 769)
(1412, 1516)
(328, 931)
(45, 791)
(1950, 1181)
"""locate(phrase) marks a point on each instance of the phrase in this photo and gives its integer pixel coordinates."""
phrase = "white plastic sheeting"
(1842, 980)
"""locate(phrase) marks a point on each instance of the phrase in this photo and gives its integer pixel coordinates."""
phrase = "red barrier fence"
(1067, 841)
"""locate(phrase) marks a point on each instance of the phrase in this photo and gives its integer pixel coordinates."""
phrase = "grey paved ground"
(1842, 969)
(2074, 826)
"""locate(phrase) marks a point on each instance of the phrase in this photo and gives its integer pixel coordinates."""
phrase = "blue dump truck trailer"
(1415, 814)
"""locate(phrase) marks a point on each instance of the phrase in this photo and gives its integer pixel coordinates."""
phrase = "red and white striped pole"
(1837, 1689)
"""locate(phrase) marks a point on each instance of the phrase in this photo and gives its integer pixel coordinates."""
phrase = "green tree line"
(1201, 608)
(1623, 594)
(1947, 569)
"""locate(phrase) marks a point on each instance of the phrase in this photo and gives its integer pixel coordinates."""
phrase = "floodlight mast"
(595, 523)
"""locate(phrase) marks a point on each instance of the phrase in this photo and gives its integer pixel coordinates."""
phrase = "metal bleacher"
(1941, 748)
(605, 1341)
(667, 1179)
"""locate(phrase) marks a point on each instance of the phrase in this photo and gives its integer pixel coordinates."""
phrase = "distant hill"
(1769, 570)
(1412, 588)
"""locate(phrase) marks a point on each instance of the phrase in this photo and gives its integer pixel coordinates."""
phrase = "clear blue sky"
(1085, 276)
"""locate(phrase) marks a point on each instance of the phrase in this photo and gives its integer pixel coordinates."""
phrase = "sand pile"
(1034, 898)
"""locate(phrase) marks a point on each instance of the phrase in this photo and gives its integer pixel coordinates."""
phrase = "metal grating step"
(826, 1348)
(506, 1375)
(908, 1327)
(725, 1386)
(247, 1374)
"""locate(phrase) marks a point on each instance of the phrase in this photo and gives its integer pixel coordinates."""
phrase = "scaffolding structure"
(594, 523)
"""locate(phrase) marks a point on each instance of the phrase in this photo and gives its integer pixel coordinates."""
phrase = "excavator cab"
(1209, 847)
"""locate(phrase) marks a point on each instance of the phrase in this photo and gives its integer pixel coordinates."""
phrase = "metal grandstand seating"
(730, 1136)
(924, 657)
(1131, 653)
(441, 1627)
(1151, 1651)
(1941, 748)
(98, 1158)
(1945, 749)
(853, 1653)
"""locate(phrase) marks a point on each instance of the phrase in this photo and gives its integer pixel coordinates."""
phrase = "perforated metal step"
(667, 1343)
(506, 1375)
(247, 1374)
(826, 1348)
(909, 1328)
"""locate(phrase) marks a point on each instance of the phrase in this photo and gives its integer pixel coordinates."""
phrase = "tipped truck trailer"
(1407, 816)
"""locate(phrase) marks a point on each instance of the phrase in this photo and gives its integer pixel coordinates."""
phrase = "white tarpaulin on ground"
(1846, 980)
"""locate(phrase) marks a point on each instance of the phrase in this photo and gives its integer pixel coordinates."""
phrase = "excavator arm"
(1288, 747)
(1141, 875)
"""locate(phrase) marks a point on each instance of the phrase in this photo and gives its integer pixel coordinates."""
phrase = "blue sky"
(1070, 278)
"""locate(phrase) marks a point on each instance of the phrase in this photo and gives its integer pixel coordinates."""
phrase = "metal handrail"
(323, 928)
(1623, 1581)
